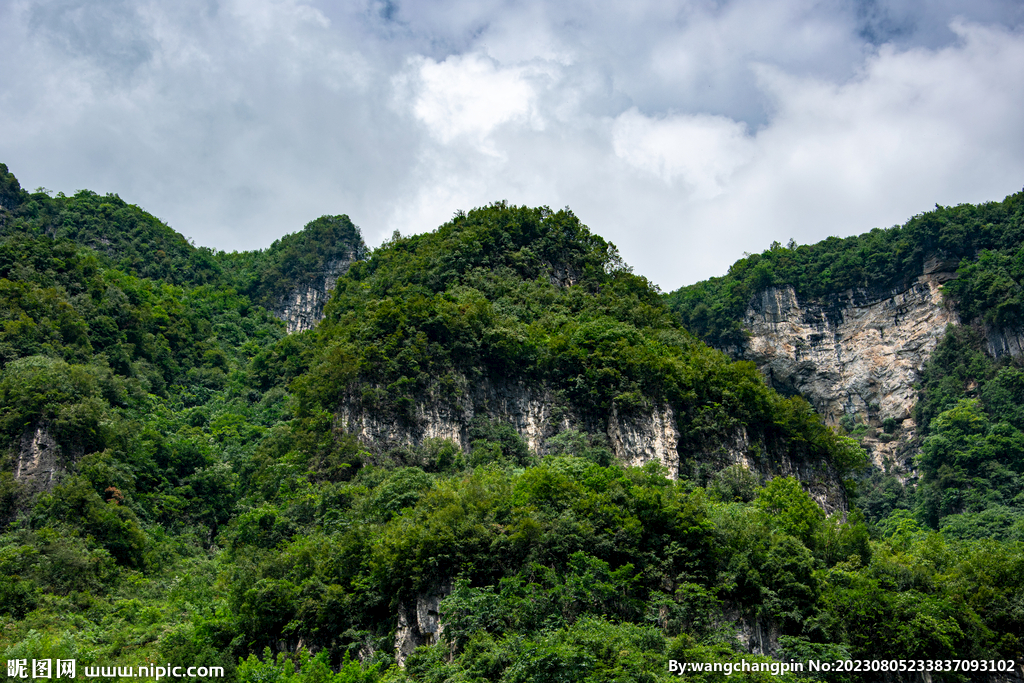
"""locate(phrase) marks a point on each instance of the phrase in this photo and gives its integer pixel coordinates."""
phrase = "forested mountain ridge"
(127, 238)
(434, 483)
(890, 335)
(523, 316)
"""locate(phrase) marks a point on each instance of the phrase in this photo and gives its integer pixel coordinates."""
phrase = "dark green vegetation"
(970, 410)
(212, 510)
(972, 460)
(488, 296)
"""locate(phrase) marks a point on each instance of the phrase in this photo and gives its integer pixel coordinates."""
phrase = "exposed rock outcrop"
(757, 636)
(303, 307)
(857, 355)
(1003, 342)
(422, 625)
(640, 437)
(648, 437)
(534, 411)
(37, 464)
(447, 413)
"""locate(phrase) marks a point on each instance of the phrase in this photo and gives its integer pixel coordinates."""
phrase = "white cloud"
(685, 194)
(469, 96)
(915, 128)
(702, 151)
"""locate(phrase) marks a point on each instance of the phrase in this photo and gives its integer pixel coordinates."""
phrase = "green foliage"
(299, 258)
(121, 234)
(11, 194)
(989, 288)
(401, 490)
(972, 456)
(792, 511)
(308, 669)
(510, 296)
(735, 483)
(592, 447)
(496, 442)
(954, 370)
(113, 526)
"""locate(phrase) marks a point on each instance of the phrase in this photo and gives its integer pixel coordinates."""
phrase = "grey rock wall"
(854, 355)
(648, 437)
(447, 412)
(1003, 342)
(420, 624)
(818, 478)
(534, 411)
(636, 439)
(37, 464)
(303, 307)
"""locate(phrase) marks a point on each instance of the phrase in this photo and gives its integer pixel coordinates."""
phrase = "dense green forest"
(211, 510)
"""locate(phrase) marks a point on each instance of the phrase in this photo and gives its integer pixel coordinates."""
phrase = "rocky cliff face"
(421, 625)
(856, 357)
(648, 437)
(303, 307)
(535, 412)
(37, 463)
(818, 478)
(1003, 342)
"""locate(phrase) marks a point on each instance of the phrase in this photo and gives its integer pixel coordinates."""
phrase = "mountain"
(888, 334)
(488, 452)
(524, 317)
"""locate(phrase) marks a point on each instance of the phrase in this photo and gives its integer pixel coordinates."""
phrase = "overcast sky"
(686, 132)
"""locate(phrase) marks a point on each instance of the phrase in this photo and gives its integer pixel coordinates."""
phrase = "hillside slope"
(523, 316)
(499, 456)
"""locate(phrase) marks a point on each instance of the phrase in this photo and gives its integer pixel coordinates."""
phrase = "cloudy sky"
(685, 131)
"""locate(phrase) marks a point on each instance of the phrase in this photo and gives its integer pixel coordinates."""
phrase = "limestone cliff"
(1004, 342)
(818, 478)
(303, 307)
(37, 461)
(534, 411)
(296, 274)
(537, 414)
(420, 625)
(856, 356)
